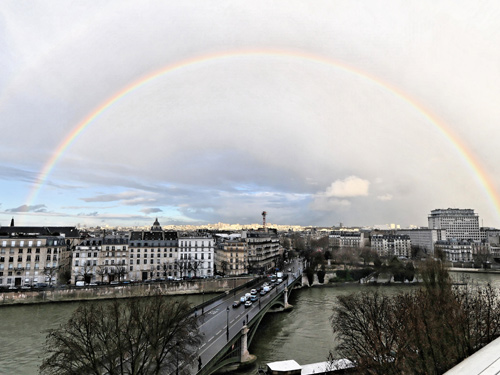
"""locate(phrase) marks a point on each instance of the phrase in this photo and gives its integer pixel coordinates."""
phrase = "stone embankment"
(120, 291)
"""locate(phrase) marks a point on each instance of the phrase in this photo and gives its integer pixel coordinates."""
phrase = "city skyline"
(115, 113)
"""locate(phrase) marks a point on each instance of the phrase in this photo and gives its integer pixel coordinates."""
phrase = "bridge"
(227, 332)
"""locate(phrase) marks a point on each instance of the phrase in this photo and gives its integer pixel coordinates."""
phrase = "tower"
(264, 213)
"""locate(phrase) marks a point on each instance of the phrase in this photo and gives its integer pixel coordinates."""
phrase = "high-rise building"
(460, 224)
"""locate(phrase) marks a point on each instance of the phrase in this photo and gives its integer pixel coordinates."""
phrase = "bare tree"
(86, 272)
(224, 265)
(139, 336)
(101, 271)
(51, 272)
(407, 334)
(120, 271)
(194, 265)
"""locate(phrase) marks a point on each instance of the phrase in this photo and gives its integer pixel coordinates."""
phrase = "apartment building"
(196, 254)
(342, 238)
(460, 224)
(231, 257)
(263, 249)
(34, 255)
(391, 245)
(153, 254)
(424, 238)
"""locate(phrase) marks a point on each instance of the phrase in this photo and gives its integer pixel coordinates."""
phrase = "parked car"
(248, 304)
(236, 304)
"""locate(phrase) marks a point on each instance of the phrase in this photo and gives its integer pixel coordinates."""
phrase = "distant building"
(342, 238)
(456, 250)
(460, 224)
(391, 245)
(34, 255)
(196, 255)
(153, 254)
(424, 238)
(231, 257)
(263, 249)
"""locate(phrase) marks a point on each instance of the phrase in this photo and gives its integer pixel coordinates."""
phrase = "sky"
(324, 112)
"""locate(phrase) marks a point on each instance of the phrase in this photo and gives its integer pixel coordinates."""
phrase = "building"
(456, 250)
(35, 255)
(263, 246)
(424, 238)
(231, 257)
(391, 245)
(460, 224)
(153, 254)
(343, 238)
(196, 255)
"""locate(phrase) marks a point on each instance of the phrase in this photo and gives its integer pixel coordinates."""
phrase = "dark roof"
(68, 232)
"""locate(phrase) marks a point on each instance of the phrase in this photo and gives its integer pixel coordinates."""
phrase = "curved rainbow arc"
(467, 156)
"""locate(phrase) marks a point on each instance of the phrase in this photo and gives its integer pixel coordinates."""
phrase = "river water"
(303, 334)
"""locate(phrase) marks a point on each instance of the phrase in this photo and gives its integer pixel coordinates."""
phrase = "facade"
(424, 238)
(263, 249)
(391, 245)
(343, 238)
(34, 255)
(456, 250)
(460, 224)
(231, 257)
(196, 255)
(153, 254)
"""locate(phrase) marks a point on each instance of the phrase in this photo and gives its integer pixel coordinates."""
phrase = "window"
(20, 258)
(2, 259)
(20, 251)
(48, 257)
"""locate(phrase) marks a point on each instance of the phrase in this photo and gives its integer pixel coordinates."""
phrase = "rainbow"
(466, 155)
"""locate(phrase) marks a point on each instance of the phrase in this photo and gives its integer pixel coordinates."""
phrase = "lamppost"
(177, 357)
(227, 327)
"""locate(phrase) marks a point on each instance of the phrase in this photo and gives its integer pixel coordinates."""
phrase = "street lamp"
(177, 357)
(227, 327)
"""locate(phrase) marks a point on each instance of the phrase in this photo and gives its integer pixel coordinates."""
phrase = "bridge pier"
(245, 356)
(287, 305)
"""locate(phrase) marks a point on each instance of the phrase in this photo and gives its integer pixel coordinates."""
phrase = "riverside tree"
(148, 335)
(426, 331)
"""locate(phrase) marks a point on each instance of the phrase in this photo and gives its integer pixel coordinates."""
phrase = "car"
(289, 270)
(280, 281)
(114, 282)
(243, 299)
(236, 304)
(254, 298)
(248, 304)
(247, 296)
(253, 292)
(262, 292)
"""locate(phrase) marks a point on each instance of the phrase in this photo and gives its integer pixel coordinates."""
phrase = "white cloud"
(385, 197)
(323, 203)
(351, 186)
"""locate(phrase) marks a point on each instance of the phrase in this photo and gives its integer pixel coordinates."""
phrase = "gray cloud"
(26, 208)
(151, 210)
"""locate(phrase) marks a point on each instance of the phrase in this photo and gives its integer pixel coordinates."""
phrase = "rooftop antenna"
(264, 213)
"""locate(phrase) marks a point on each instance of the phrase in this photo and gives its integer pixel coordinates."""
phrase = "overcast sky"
(318, 112)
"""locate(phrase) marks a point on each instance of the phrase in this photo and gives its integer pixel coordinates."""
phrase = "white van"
(247, 296)
(80, 283)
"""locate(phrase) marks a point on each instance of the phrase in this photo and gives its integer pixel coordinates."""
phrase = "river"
(303, 334)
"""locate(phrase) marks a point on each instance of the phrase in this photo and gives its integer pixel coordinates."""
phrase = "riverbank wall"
(87, 293)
